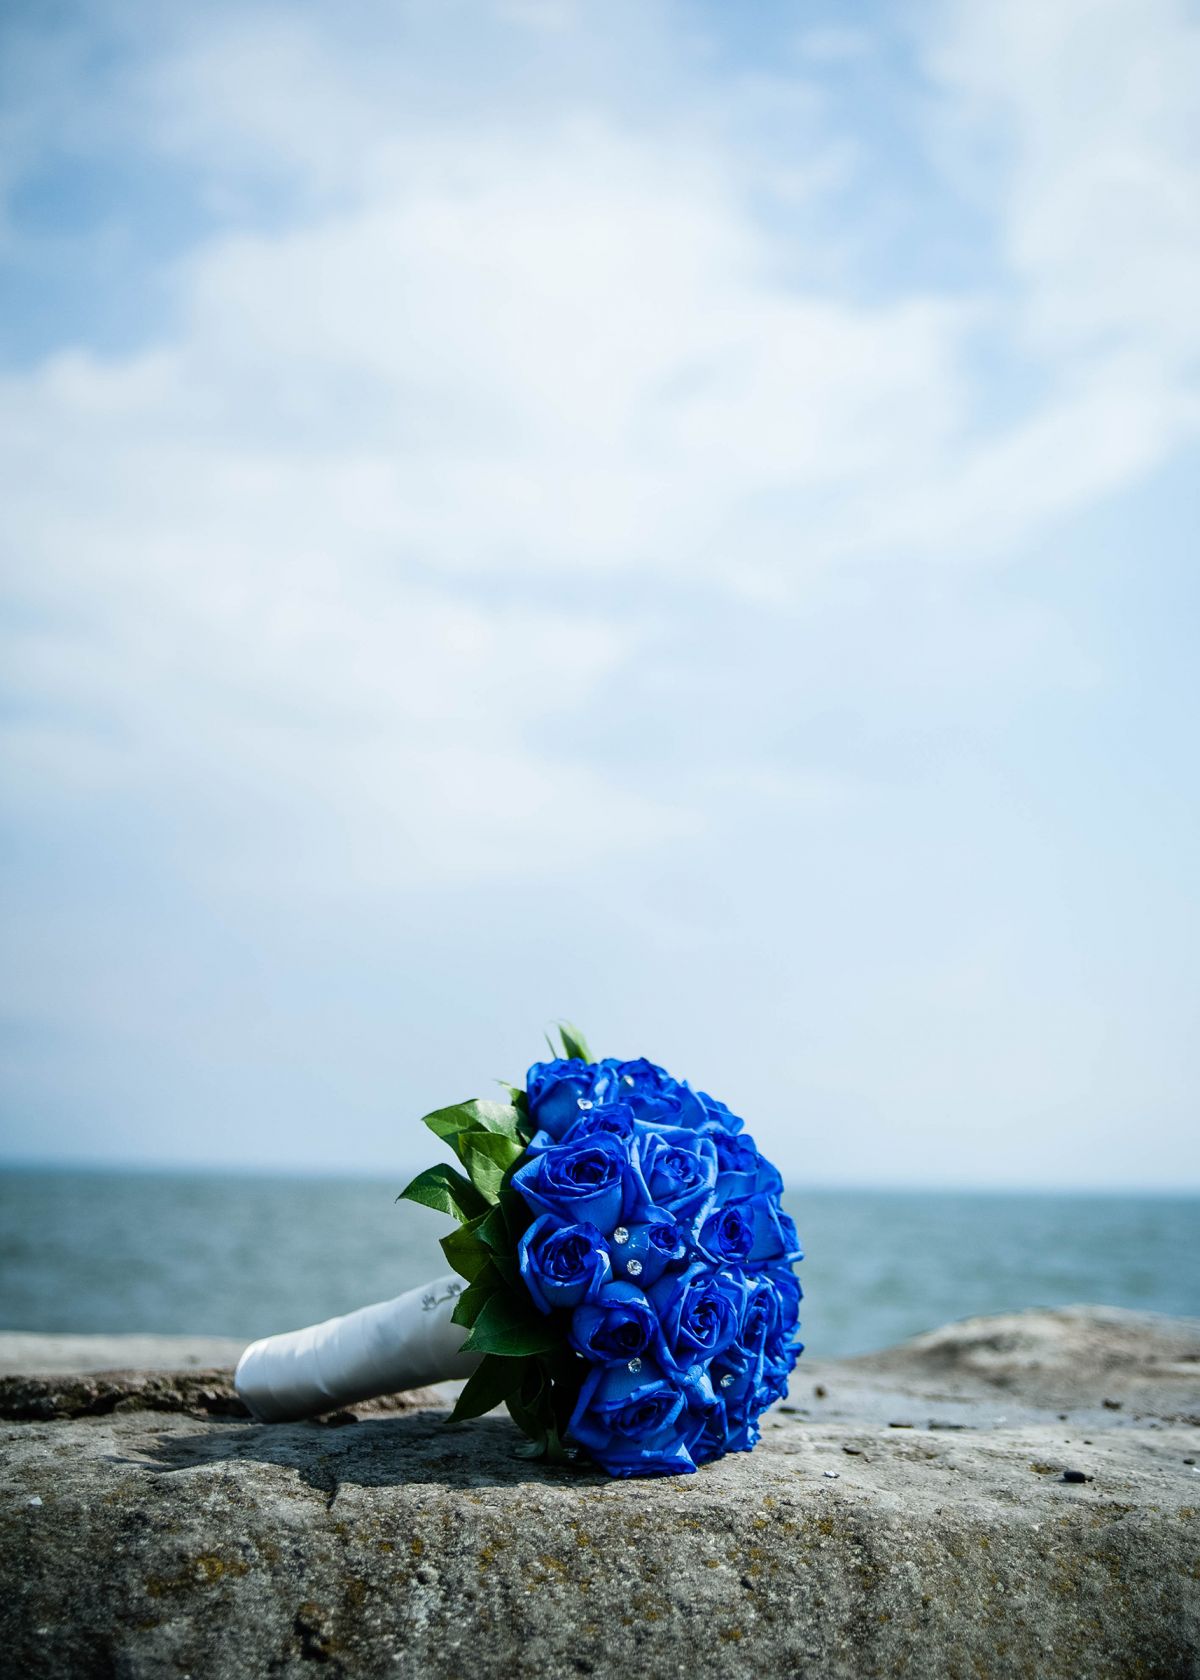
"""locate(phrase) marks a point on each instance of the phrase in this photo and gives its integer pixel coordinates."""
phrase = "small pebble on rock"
(833, 1474)
(1075, 1476)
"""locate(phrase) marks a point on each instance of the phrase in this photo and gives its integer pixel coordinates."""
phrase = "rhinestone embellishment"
(634, 1268)
(727, 1380)
(620, 1235)
(635, 1366)
(584, 1103)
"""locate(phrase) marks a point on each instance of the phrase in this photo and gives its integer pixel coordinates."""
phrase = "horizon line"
(300, 1171)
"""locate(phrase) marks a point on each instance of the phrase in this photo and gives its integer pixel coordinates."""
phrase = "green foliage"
(574, 1045)
(493, 1229)
(445, 1191)
(489, 1385)
(488, 1157)
(464, 1251)
(525, 1362)
(471, 1301)
(505, 1119)
(506, 1324)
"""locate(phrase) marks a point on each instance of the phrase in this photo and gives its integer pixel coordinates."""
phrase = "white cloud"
(295, 550)
(1078, 125)
(537, 478)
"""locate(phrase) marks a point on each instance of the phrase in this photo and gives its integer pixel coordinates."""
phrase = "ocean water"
(219, 1254)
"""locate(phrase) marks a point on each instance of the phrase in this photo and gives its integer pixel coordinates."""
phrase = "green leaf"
(446, 1191)
(470, 1303)
(507, 1326)
(471, 1116)
(500, 1232)
(464, 1250)
(489, 1385)
(509, 1269)
(504, 1151)
(529, 1406)
(493, 1231)
(484, 1173)
(488, 1157)
(573, 1042)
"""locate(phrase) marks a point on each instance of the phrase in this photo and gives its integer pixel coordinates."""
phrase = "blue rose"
(717, 1116)
(773, 1384)
(562, 1265)
(679, 1169)
(655, 1096)
(700, 1311)
(762, 1316)
(635, 1423)
(766, 1338)
(730, 1425)
(745, 1384)
(774, 1231)
(593, 1181)
(737, 1166)
(787, 1286)
(645, 1249)
(559, 1091)
(610, 1119)
(727, 1235)
(767, 1180)
(606, 1120)
(618, 1325)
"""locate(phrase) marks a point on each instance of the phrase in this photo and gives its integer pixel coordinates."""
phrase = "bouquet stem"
(405, 1343)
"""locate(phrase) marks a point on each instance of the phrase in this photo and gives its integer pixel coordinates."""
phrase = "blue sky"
(679, 516)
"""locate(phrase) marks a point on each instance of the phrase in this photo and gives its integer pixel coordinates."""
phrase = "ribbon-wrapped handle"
(405, 1343)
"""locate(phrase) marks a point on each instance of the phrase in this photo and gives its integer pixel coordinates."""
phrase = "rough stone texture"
(906, 1514)
(199, 1393)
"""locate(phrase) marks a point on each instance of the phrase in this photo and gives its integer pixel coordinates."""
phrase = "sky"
(676, 516)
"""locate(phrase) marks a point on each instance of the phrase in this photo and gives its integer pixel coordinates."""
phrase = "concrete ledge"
(905, 1514)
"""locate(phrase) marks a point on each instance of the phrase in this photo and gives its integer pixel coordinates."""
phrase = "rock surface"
(906, 1514)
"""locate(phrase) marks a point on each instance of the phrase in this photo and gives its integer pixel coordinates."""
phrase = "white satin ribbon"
(395, 1345)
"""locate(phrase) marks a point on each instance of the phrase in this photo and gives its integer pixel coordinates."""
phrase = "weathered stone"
(141, 1543)
(95, 1393)
(198, 1393)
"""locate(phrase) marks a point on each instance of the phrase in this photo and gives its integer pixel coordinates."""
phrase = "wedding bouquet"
(627, 1292)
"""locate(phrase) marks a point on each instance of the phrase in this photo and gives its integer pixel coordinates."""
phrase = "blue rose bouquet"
(627, 1260)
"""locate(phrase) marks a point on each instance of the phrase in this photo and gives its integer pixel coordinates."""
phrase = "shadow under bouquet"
(629, 1289)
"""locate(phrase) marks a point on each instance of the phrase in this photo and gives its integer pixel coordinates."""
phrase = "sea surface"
(208, 1253)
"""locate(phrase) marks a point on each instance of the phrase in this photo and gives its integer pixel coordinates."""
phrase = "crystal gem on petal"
(620, 1235)
(634, 1268)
